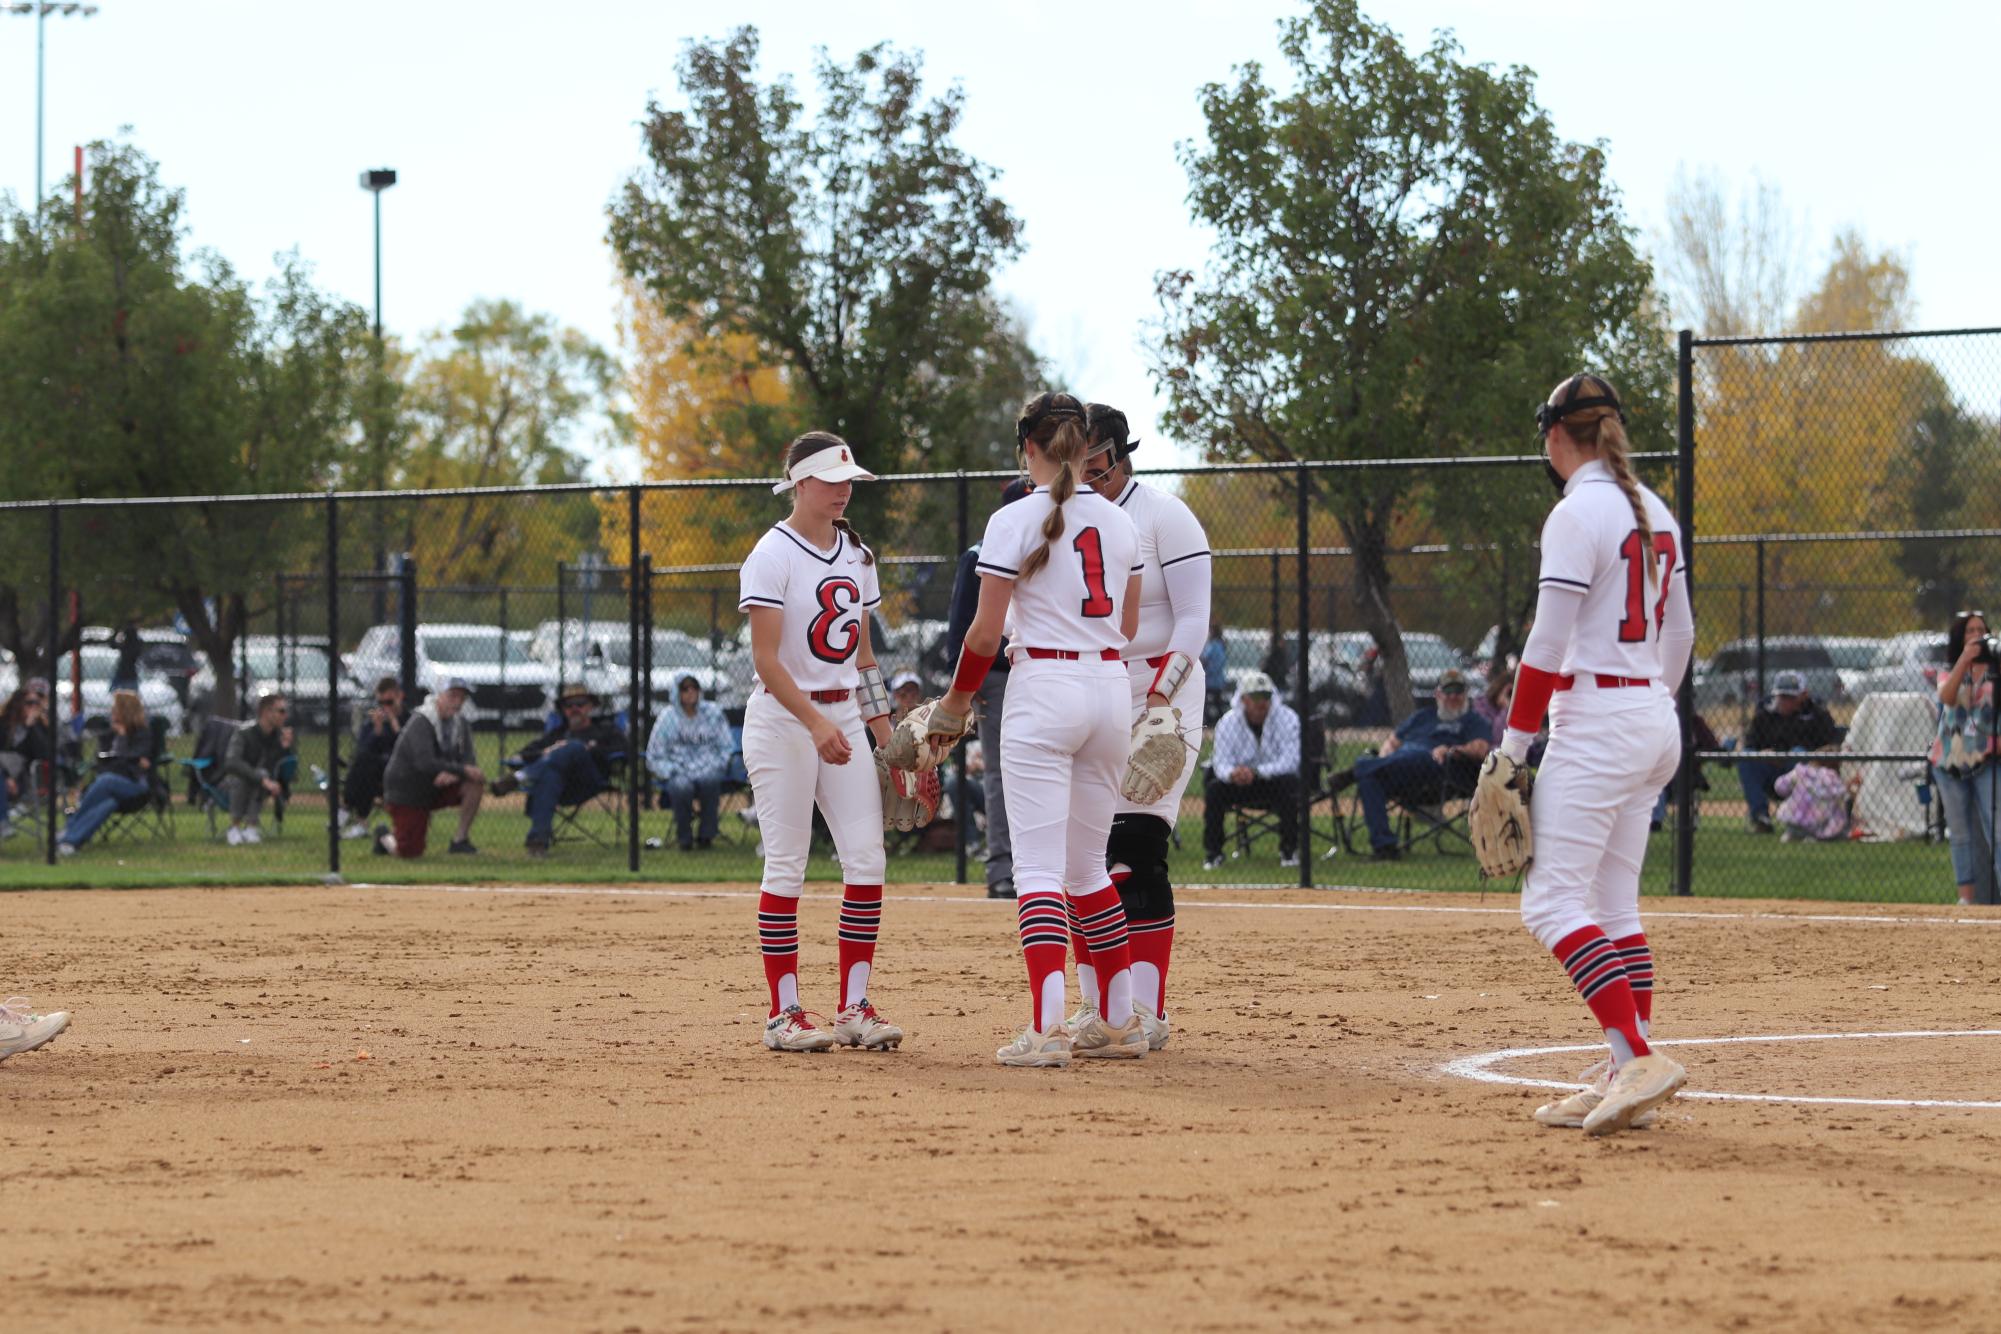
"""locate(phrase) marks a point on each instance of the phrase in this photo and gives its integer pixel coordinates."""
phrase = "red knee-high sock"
(1153, 944)
(1638, 959)
(778, 935)
(1087, 969)
(1045, 937)
(861, 914)
(1102, 919)
(1594, 965)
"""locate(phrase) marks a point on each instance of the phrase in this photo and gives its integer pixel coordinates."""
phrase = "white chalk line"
(649, 892)
(1480, 1067)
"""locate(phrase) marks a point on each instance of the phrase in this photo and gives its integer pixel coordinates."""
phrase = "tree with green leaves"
(856, 248)
(1408, 256)
(131, 368)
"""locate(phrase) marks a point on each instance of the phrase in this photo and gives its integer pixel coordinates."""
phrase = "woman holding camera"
(1962, 755)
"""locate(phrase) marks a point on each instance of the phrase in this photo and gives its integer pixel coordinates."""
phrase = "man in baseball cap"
(571, 763)
(1255, 763)
(1790, 721)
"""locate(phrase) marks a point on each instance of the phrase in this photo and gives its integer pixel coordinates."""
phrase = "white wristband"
(1515, 745)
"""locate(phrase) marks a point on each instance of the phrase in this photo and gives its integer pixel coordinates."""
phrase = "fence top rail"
(1887, 535)
(1858, 336)
(745, 483)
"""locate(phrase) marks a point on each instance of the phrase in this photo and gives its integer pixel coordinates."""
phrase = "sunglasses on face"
(576, 705)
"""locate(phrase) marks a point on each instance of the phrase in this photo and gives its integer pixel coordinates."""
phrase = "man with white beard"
(1440, 745)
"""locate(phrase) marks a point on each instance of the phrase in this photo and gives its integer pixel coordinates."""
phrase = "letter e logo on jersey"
(836, 631)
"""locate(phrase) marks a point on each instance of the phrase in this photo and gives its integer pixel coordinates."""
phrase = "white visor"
(836, 463)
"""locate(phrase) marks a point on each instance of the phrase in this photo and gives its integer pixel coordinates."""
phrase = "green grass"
(1729, 862)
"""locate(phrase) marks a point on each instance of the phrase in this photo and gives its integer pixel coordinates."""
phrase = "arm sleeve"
(761, 582)
(236, 760)
(1282, 756)
(1556, 607)
(1569, 555)
(656, 748)
(1185, 568)
(1677, 634)
(1783, 784)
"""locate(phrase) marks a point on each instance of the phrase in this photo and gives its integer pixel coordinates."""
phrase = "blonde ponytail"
(1066, 449)
(1604, 428)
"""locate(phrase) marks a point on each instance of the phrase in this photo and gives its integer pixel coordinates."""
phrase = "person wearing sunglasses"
(259, 760)
(572, 762)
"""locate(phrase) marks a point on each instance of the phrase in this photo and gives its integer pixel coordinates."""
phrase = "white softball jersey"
(1075, 601)
(1174, 573)
(1590, 542)
(824, 595)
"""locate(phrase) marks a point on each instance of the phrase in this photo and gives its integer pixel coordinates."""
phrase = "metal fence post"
(55, 690)
(1684, 504)
(502, 748)
(1303, 687)
(633, 742)
(406, 623)
(1761, 622)
(964, 811)
(333, 686)
(562, 633)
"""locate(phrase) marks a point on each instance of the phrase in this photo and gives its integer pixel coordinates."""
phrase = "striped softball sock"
(778, 937)
(1087, 972)
(1102, 919)
(1638, 958)
(1152, 946)
(1596, 968)
(861, 915)
(1045, 939)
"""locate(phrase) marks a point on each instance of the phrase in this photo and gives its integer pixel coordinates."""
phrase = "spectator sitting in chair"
(255, 765)
(374, 742)
(689, 752)
(1441, 744)
(25, 741)
(572, 762)
(1255, 763)
(1788, 721)
(122, 772)
(431, 768)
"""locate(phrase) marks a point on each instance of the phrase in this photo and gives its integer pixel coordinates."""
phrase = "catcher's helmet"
(1106, 427)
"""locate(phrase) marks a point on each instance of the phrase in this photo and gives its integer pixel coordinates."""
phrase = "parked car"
(1913, 661)
(598, 654)
(1729, 679)
(98, 662)
(296, 666)
(1853, 656)
(166, 654)
(508, 684)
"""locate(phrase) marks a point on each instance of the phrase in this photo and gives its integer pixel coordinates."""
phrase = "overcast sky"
(512, 123)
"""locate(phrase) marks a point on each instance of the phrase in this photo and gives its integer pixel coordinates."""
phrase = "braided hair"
(1055, 424)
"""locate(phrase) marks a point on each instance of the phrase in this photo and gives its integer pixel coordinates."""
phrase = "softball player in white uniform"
(1165, 648)
(808, 587)
(1611, 641)
(1061, 568)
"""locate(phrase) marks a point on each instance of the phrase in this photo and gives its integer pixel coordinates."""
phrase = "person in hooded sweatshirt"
(431, 768)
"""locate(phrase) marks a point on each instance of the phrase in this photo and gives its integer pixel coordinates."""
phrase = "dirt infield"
(422, 1109)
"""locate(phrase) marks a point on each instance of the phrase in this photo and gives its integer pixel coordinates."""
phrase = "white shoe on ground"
(252, 834)
(860, 1026)
(65, 849)
(234, 837)
(1099, 1040)
(793, 1031)
(354, 829)
(1050, 1049)
(1084, 1015)
(1156, 1027)
(21, 1029)
(1642, 1084)
(1568, 1113)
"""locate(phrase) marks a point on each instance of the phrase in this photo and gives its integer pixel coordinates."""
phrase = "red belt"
(1071, 655)
(1604, 682)
(836, 696)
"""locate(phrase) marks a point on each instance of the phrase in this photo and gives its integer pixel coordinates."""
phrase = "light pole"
(41, 9)
(375, 180)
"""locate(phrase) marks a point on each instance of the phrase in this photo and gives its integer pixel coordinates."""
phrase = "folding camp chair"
(205, 790)
(151, 813)
(1254, 822)
(582, 821)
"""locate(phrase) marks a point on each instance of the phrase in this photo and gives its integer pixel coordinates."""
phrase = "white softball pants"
(1063, 753)
(788, 778)
(1610, 754)
(1194, 693)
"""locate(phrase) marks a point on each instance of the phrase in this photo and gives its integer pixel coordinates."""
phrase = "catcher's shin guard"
(1139, 843)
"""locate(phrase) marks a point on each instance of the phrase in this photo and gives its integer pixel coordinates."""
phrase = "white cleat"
(1642, 1084)
(793, 1031)
(21, 1029)
(860, 1026)
(1051, 1049)
(1569, 1113)
(1085, 1014)
(1099, 1040)
(1156, 1027)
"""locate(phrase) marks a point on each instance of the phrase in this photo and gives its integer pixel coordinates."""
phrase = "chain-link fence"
(1837, 484)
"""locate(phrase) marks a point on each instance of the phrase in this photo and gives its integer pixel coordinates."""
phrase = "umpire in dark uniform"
(992, 692)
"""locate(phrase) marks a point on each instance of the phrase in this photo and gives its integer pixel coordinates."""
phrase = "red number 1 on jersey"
(1633, 627)
(1092, 548)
